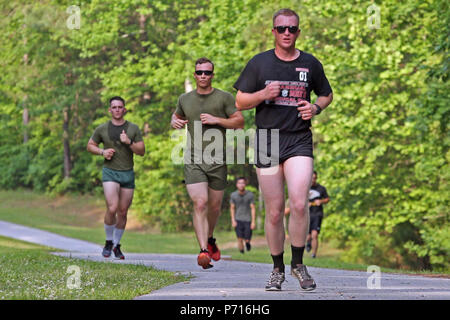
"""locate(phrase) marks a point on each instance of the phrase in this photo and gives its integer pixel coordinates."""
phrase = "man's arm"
(136, 147)
(309, 110)
(93, 148)
(319, 202)
(232, 212)
(177, 121)
(324, 101)
(253, 223)
(245, 101)
(235, 121)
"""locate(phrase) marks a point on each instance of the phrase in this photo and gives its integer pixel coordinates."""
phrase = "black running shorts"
(315, 221)
(290, 145)
(243, 230)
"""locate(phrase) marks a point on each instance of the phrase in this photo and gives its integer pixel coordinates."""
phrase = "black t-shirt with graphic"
(317, 192)
(298, 78)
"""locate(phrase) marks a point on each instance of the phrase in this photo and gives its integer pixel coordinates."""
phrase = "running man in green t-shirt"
(210, 111)
(121, 139)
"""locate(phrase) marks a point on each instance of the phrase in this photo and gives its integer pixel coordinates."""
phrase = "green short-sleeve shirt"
(109, 135)
(217, 103)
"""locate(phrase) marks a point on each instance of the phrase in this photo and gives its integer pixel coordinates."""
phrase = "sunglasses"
(206, 72)
(282, 29)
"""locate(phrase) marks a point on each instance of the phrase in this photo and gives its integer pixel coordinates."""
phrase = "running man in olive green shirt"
(121, 139)
(206, 109)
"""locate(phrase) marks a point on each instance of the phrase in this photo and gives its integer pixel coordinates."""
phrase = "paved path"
(236, 280)
(46, 238)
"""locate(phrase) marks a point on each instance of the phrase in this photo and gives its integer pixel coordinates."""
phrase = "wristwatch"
(319, 109)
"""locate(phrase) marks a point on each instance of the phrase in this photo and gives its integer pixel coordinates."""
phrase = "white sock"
(109, 230)
(117, 235)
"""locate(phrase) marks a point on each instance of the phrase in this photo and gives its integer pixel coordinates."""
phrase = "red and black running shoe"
(213, 250)
(204, 259)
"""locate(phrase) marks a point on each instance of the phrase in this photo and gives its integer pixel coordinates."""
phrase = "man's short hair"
(204, 60)
(315, 172)
(285, 12)
(241, 178)
(117, 98)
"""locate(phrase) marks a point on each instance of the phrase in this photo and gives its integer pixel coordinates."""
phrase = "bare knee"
(214, 208)
(275, 217)
(122, 213)
(298, 207)
(112, 208)
(200, 205)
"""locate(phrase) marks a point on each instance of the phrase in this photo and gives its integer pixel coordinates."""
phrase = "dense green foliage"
(381, 149)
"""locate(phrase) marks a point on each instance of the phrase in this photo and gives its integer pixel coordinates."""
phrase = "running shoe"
(204, 260)
(213, 250)
(306, 281)
(313, 256)
(308, 246)
(107, 249)
(118, 253)
(248, 246)
(275, 281)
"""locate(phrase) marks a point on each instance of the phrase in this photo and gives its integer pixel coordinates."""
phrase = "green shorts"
(124, 178)
(214, 174)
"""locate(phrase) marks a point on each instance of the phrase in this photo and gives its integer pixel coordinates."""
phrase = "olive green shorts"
(214, 174)
(124, 178)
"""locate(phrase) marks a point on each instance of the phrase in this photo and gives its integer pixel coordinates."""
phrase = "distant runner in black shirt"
(318, 196)
(279, 83)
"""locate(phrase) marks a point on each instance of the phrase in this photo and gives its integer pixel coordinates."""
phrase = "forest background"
(381, 148)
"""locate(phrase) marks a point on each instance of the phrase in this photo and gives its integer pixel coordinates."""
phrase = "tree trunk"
(26, 119)
(67, 164)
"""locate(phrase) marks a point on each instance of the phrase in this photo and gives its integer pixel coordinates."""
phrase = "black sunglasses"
(282, 29)
(206, 72)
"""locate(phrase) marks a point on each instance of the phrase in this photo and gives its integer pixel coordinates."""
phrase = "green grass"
(29, 271)
(81, 217)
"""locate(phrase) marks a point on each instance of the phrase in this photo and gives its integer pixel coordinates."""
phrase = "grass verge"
(29, 271)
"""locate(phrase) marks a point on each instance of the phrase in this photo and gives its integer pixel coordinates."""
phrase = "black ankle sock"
(278, 262)
(297, 255)
(211, 240)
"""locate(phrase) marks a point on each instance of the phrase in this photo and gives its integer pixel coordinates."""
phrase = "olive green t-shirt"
(217, 103)
(109, 135)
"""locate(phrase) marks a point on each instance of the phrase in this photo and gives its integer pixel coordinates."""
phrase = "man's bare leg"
(272, 188)
(198, 192)
(314, 241)
(125, 199)
(240, 244)
(298, 173)
(214, 205)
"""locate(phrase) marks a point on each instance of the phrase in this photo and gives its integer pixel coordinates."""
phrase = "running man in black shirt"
(318, 196)
(278, 83)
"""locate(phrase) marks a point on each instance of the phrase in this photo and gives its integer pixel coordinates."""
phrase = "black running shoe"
(308, 246)
(118, 253)
(306, 281)
(107, 249)
(275, 281)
